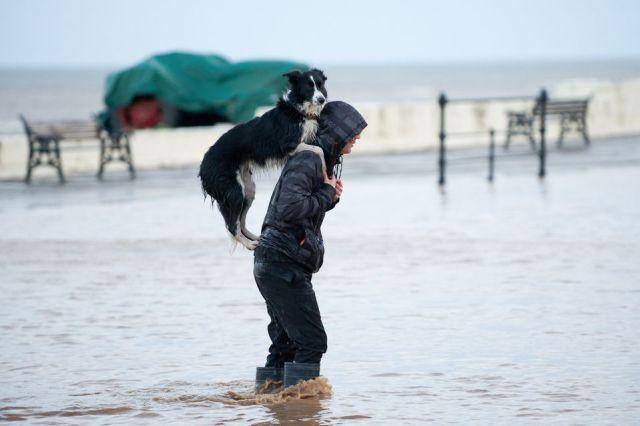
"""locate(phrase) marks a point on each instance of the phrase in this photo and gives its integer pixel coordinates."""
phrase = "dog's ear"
(292, 76)
(317, 71)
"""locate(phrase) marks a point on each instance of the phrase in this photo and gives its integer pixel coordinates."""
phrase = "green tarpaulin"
(201, 83)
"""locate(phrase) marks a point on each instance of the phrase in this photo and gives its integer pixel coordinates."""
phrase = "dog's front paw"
(316, 149)
(251, 245)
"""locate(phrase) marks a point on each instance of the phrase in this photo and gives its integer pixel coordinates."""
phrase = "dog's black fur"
(226, 168)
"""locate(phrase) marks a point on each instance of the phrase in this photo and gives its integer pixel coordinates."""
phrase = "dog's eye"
(310, 84)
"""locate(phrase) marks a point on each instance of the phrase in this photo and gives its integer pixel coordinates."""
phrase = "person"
(291, 248)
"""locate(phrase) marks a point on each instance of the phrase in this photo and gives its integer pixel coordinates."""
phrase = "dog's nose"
(321, 100)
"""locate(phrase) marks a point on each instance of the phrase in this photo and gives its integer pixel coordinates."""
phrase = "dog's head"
(307, 91)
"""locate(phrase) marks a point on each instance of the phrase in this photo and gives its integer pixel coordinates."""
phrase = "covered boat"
(185, 89)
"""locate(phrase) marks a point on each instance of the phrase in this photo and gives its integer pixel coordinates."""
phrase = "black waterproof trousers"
(296, 329)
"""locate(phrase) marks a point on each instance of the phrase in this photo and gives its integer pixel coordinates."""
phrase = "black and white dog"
(226, 169)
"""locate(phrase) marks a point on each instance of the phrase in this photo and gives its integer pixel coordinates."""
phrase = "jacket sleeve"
(333, 204)
(297, 199)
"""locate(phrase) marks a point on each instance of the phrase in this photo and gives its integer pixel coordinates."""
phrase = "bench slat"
(564, 106)
(61, 130)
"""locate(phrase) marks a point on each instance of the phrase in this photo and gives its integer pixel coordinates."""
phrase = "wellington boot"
(296, 372)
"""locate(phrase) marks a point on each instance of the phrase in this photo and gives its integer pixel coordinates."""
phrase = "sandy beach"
(507, 303)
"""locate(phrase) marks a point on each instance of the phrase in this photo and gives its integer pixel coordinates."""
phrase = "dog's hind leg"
(249, 192)
(231, 208)
(243, 239)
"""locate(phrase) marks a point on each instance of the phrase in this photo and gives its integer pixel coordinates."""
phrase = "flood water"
(512, 303)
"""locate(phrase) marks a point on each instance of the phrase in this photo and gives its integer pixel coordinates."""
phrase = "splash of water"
(274, 393)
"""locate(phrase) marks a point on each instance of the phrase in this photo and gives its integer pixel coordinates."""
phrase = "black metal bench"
(44, 140)
(572, 113)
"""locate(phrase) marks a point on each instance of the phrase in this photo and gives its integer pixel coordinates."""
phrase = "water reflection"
(299, 411)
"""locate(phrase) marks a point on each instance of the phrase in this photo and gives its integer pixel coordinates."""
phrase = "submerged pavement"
(507, 302)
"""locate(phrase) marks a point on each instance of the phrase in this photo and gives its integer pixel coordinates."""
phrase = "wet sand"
(507, 303)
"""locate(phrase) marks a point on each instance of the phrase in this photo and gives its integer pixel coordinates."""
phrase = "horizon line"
(364, 63)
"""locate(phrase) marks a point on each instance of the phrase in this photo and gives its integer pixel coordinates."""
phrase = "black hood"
(339, 123)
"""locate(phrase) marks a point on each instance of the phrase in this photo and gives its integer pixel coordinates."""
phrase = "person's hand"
(338, 188)
(331, 180)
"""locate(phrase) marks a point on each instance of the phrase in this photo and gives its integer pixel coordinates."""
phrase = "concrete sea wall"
(393, 127)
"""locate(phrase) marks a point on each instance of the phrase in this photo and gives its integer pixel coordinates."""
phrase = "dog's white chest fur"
(309, 129)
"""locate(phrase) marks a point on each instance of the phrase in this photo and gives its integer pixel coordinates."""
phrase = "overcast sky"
(119, 32)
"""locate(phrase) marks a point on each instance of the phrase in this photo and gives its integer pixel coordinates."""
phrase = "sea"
(45, 94)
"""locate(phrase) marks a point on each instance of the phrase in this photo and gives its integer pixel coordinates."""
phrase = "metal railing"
(541, 102)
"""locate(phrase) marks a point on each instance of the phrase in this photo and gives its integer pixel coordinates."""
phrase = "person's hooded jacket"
(291, 228)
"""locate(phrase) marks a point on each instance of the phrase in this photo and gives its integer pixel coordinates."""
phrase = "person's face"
(349, 145)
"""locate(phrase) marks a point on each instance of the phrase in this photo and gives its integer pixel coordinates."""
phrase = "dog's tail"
(207, 179)
(205, 193)
(206, 188)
